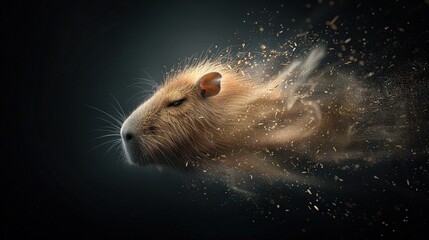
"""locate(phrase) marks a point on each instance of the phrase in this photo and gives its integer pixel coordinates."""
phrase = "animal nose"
(127, 132)
(127, 135)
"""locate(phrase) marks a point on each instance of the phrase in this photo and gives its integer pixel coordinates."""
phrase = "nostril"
(129, 136)
(128, 131)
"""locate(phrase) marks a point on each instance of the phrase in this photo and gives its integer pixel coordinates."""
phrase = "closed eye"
(176, 103)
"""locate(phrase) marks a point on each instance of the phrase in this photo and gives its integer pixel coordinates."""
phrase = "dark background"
(59, 57)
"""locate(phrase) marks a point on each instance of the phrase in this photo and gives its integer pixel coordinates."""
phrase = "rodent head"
(177, 120)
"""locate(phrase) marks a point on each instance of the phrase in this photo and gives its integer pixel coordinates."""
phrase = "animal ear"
(209, 84)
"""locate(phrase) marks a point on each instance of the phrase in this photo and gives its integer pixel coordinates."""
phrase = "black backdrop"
(59, 57)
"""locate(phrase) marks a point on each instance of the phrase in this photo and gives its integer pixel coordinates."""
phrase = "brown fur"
(298, 110)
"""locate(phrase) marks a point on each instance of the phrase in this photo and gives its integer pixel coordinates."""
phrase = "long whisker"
(150, 77)
(102, 144)
(107, 136)
(141, 94)
(141, 81)
(115, 144)
(111, 124)
(121, 113)
(112, 129)
(107, 114)
(107, 129)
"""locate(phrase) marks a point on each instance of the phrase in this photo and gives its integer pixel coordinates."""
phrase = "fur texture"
(301, 111)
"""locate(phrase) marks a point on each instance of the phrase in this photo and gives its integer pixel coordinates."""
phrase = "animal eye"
(176, 103)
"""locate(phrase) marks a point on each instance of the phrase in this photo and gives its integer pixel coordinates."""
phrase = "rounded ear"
(209, 84)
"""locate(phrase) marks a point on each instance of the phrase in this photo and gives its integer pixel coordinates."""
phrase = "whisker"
(107, 136)
(102, 144)
(141, 81)
(111, 124)
(107, 114)
(145, 90)
(143, 93)
(107, 129)
(150, 78)
(111, 130)
(115, 144)
(121, 113)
